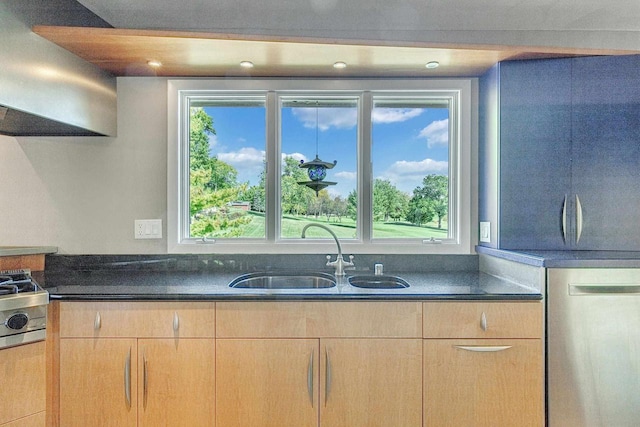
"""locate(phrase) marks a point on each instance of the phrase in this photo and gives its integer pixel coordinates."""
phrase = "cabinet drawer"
(137, 319)
(340, 319)
(482, 320)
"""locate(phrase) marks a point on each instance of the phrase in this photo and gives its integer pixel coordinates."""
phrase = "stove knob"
(17, 321)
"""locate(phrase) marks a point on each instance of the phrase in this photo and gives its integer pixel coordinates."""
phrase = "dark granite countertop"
(567, 259)
(190, 285)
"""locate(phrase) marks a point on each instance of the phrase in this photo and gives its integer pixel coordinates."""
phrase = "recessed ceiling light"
(154, 63)
(432, 64)
(246, 64)
(340, 65)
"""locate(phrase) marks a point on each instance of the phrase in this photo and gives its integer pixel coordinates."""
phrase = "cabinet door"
(493, 383)
(22, 381)
(534, 153)
(98, 382)
(176, 382)
(606, 152)
(371, 382)
(267, 382)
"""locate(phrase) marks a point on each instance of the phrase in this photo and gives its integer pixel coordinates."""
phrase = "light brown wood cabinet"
(137, 363)
(301, 364)
(319, 363)
(483, 364)
(23, 384)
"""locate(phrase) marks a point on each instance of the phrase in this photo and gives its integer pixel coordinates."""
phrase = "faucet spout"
(339, 264)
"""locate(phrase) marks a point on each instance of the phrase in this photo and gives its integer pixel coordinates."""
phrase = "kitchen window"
(243, 171)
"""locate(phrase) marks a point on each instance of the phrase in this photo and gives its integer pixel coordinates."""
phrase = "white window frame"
(462, 177)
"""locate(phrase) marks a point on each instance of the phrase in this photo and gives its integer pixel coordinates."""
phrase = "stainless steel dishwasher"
(593, 347)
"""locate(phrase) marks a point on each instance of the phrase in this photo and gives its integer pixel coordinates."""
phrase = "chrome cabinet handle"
(327, 389)
(578, 219)
(176, 322)
(145, 380)
(310, 378)
(483, 349)
(97, 322)
(564, 219)
(483, 322)
(127, 379)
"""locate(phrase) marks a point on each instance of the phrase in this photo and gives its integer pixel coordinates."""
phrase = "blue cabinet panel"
(535, 152)
(568, 128)
(606, 151)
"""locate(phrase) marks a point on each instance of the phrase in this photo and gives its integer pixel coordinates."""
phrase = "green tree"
(352, 205)
(213, 185)
(295, 197)
(433, 197)
(419, 211)
(200, 130)
(388, 201)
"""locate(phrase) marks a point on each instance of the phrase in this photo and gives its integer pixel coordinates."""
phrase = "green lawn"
(345, 229)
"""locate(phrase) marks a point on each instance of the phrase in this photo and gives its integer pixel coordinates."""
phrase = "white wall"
(83, 194)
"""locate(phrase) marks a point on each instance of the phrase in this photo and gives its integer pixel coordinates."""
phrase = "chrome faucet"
(339, 264)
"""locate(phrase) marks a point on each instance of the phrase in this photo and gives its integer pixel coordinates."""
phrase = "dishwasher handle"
(605, 289)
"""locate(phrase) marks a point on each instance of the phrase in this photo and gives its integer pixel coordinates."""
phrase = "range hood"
(44, 89)
(20, 123)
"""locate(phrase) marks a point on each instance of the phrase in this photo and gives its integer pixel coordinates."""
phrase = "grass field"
(292, 228)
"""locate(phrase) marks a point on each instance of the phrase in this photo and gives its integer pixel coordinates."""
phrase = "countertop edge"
(567, 259)
(239, 298)
(27, 250)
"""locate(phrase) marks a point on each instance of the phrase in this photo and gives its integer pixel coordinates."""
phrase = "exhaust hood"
(46, 90)
(20, 123)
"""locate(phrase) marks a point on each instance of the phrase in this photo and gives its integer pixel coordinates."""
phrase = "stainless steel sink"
(378, 282)
(284, 280)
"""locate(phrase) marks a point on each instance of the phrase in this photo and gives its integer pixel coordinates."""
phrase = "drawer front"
(137, 319)
(339, 319)
(482, 319)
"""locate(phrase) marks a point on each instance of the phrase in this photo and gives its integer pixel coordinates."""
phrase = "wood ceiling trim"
(125, 52)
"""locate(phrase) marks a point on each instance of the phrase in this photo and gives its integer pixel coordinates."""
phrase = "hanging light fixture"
(317, 169)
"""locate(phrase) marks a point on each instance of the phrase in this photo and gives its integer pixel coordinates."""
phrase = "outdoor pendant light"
(317, 169)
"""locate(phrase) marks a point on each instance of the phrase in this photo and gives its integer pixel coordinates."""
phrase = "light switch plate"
(485, 232)
(147, 229)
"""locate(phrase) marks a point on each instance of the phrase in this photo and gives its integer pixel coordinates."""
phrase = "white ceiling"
(591, 24)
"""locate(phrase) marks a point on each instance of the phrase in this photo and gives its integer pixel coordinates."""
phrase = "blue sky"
(408, 143)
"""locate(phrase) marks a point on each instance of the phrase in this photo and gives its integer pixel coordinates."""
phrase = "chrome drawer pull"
(97, 322)
(564, 219)
(578, 219)
(327, 378)
(310, 378)
(145, 380)
(127, 379)
(483, 322)
(483, 349)
(176, 322)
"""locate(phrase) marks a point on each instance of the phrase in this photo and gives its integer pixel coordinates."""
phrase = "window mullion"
(365, 178)
(272, 205)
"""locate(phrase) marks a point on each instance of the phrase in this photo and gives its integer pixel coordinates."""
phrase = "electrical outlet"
(485, 232)
(147, 229)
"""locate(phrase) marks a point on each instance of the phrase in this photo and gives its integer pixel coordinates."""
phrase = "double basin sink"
(313, 280)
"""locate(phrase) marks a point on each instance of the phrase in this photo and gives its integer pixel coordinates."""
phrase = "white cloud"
(407, 175)
(244, 156)
(213, 141)
(339, 118)
(248, 161)
(351, 176)
(297, 156)
(436, 133)
(394, 115)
